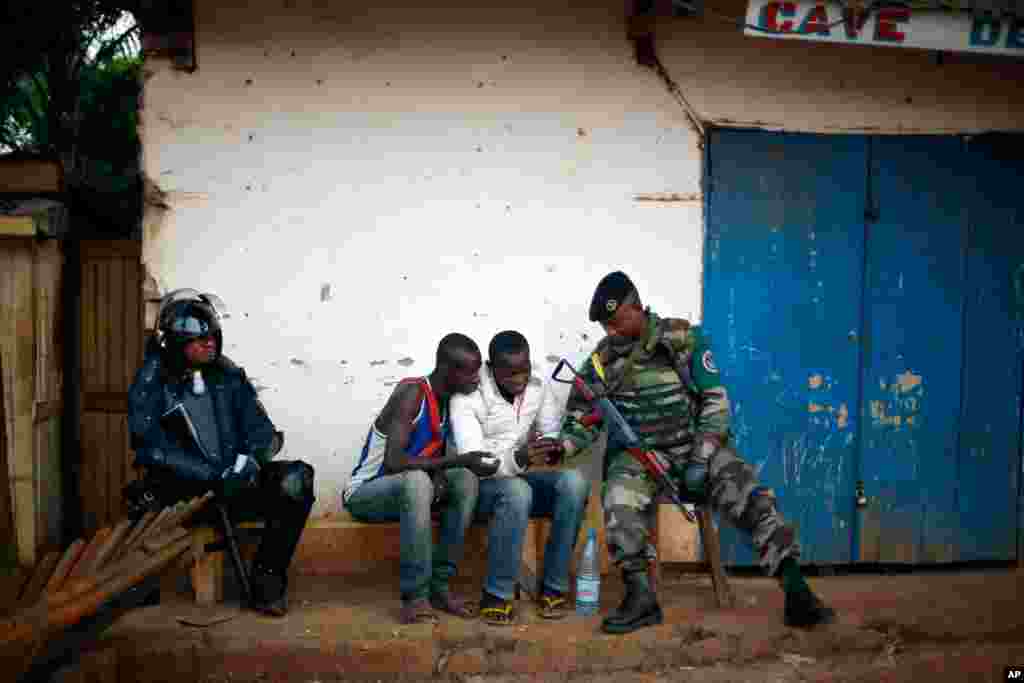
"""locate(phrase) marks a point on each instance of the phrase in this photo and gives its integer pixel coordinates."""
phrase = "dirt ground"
(917, 627)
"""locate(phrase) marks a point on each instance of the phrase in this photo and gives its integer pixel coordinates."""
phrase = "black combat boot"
(640, 606)
(803, 608)
(269, 591)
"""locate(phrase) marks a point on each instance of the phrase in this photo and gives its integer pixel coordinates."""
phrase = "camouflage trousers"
(733, 492)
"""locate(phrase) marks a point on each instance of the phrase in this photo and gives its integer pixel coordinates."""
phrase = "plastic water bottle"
(588, 579)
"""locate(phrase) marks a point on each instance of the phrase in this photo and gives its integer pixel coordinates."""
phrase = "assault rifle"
(619, 430)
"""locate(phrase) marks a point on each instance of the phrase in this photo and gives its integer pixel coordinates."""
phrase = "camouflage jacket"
(666, 386)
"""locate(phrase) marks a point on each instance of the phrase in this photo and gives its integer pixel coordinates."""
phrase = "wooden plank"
(114, 326)
(30, 176)
(133, 322)
(93, 478)
(48, 484)
(87, 327)
(105, 402)
(130, 472)
(20, 310)
(111, 352)
(7, 535)
(116, 427)
(103, 250)
(49, 260)
(104, 326)
(40, 576)
(64, 567)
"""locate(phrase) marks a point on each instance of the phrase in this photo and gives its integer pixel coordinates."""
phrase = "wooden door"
(111, 341)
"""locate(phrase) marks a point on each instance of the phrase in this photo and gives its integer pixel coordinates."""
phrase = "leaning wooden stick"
(140, 526)
(155, 544)
(127, 563)
(102, 569)
(23, 635)
(108, 548)
(64, 567)
(85, 560)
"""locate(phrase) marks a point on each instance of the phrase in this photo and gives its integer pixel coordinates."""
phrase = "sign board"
(891, 26)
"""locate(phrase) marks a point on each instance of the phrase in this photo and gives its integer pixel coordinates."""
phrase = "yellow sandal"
(499, 615)
(553, 607)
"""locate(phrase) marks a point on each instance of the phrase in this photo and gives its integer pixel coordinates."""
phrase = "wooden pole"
(64, 567)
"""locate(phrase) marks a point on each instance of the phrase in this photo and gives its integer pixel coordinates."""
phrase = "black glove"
(241, 475)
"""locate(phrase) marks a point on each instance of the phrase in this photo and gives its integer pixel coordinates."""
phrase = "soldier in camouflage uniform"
(662, 377)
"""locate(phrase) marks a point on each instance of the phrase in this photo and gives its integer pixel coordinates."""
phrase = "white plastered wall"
(357, 182)
(424, 171)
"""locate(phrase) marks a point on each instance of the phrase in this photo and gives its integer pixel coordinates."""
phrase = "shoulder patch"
(707, 360)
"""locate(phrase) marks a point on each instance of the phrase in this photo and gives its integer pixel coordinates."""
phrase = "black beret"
(611, 290)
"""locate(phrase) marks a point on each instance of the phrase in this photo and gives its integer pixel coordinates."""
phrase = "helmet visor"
(191, 326)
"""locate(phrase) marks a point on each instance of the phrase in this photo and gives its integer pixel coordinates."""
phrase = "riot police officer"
(197, 425)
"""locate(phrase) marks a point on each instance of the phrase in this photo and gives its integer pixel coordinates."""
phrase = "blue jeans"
(405, 498)
(509, 502)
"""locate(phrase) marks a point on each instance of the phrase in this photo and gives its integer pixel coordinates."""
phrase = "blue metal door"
(783, 274)
(913, 349)
(989, 457)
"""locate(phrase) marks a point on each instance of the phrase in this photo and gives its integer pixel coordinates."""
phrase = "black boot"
(638, 609)
(804, 609)
(269, 591)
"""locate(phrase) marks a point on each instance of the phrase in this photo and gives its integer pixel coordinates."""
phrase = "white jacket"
(485, 421)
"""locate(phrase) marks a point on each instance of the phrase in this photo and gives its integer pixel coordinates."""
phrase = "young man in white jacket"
(514, 415)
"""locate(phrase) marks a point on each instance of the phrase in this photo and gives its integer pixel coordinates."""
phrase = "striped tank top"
(429, 433)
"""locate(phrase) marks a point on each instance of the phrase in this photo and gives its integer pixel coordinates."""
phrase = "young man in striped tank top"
(403, 472)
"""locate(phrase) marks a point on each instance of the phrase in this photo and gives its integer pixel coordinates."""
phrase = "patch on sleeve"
(708, 361)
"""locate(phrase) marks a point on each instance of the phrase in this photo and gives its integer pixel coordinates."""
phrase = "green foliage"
(75, 97)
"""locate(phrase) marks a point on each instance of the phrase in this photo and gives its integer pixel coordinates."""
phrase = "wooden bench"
(340, 545)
